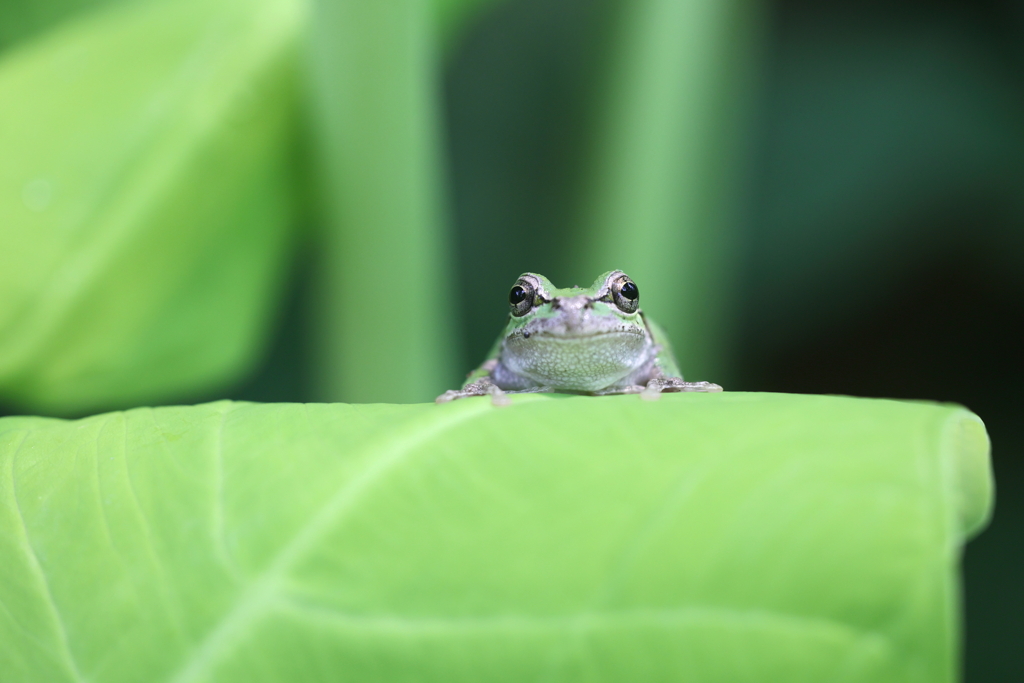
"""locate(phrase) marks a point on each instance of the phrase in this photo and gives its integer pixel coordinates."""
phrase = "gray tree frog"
(594, 341)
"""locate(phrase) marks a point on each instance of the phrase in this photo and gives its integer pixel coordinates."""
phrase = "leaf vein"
(169, 605)
(40, 575)
(217, 509)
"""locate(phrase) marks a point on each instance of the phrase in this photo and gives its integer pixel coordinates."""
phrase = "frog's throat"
(589, 362)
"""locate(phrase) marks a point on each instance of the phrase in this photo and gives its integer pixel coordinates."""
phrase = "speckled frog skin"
(593, 341)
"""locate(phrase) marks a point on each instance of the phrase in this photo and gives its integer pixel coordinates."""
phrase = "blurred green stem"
(385, 315)
(659, 202)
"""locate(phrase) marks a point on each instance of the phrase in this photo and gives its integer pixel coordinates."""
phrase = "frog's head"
(581, 339)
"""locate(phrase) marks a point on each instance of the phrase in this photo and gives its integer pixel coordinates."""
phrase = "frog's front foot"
(482, 387)
(654, 388)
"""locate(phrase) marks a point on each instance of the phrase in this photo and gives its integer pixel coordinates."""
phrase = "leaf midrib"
(575, 621)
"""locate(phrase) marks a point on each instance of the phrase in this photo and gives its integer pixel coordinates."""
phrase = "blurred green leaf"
(145, 215)
(452, 16)
(661, 197)
(730, 537)
(24, 18)
(387, 318)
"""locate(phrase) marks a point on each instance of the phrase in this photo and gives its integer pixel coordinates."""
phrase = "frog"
(593, 341)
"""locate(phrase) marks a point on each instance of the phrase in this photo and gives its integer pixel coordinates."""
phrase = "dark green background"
(882, 220)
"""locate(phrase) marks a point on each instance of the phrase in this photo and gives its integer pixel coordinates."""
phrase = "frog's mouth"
(575, 335)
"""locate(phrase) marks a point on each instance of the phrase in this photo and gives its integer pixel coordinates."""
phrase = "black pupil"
(630, 291)
(517, 295)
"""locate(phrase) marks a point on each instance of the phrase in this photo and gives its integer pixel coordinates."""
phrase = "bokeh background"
(817, 198)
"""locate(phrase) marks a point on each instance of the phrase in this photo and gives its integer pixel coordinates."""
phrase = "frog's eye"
(520, 299)
(626, 295)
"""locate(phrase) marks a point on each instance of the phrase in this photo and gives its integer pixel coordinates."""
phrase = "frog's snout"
(572, 303)
(573, 314)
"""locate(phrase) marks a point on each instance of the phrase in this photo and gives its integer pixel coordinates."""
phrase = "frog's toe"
(707, 387)
(454, 394)
(652, 392)
(677, 384)
(482, 387)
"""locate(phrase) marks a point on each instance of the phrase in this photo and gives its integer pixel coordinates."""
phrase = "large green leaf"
(730, 537)
(144, 217)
